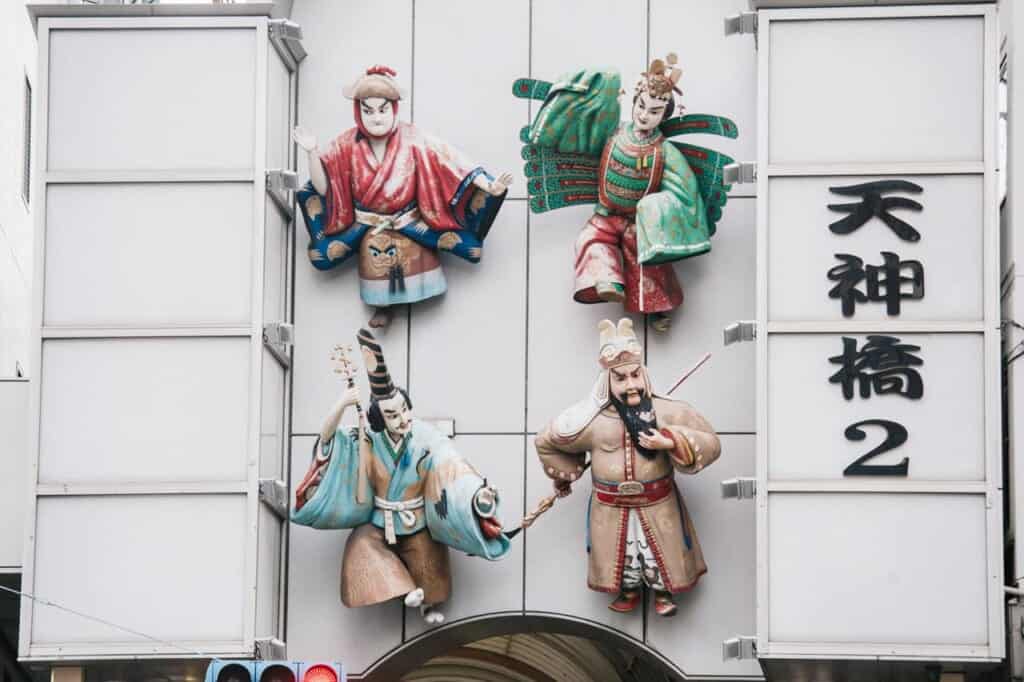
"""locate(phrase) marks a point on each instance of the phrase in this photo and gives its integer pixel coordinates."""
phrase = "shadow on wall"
(516, 647)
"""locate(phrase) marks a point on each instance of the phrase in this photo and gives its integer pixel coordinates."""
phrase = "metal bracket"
(271, 649)
(281, 181)
(287, 35)
(744, 22)
(739, 488)
(740, 173)
(743, 330)
(274, 494)
(278, 338)
(739, 648)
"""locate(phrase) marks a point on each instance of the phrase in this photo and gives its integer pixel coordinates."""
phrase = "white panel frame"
(254, 331)
(991, 487)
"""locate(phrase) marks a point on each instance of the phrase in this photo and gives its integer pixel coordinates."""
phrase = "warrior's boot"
(626, 601)
(431, 614)
(663, 604)
(612, 292)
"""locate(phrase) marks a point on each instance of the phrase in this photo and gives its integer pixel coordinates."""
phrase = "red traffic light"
(320, 673)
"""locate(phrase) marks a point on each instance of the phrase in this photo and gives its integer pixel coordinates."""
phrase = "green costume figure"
(656, 201)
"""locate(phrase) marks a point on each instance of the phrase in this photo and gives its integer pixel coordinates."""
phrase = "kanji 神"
(882, 282)
(882, 364)
(874, 205)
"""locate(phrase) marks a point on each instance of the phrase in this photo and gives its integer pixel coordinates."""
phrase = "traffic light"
(274, 671)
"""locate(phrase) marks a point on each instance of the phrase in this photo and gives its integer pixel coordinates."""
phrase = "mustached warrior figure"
(406, 492)
(655, 201)
(639, 530)
(395, 195)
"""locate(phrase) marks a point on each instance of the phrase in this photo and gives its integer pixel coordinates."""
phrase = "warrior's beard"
(638, 419)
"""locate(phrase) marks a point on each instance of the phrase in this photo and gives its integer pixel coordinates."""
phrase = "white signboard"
(156, 409)
(878, 366)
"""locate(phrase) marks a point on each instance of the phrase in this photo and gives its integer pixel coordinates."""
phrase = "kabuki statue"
(656, 201)
(395, 195)
(406, 492)
(639, 530)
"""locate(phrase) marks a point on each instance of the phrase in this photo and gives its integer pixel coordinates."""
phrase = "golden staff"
(347, 368)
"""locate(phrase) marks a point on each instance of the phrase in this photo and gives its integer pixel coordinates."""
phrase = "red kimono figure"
(397, 196)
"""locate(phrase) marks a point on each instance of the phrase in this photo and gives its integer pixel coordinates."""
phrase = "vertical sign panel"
(878, 363)
(149, 274)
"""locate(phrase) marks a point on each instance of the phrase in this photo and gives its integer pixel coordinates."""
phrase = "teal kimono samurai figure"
(656, 201)
(406, 492)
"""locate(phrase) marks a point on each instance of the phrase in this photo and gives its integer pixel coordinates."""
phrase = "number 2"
(895, 436)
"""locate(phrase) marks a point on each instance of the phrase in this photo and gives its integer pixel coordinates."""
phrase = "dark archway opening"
(532, 646)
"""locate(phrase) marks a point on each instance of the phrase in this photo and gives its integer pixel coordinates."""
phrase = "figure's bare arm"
(307, 140)
(349, 397)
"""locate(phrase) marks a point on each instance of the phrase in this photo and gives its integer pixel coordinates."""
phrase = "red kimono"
(420, 198)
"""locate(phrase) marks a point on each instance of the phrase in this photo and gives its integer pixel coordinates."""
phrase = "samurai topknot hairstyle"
(381, 385)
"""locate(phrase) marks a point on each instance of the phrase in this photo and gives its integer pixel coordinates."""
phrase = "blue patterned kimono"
(425, 464)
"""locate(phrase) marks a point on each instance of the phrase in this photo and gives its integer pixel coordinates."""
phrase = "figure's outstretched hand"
(304, 138)
(501, 185)
(654, 440)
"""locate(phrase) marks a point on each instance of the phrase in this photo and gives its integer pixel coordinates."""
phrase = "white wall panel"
(168, 566)
(275, 249)
(802, 248)
(876, 100)
(319, 626)
(469, 343)
(193, 105)
(556, 556)
(148, 254)
(15, 313)
(278, 107)
(946, 425)
(719, 71)
(563, 338)
(606, 34)
(913, 568)
(480, 586)
(14, 459)
(272, 434)
(268, 576)
(464, 89)
(722, 604)
(137, 410)
(719, 289)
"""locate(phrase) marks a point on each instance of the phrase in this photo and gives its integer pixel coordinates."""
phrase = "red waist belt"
(633, 493)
